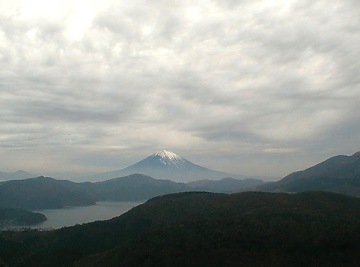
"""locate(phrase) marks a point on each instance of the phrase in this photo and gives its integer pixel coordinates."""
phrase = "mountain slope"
(226, 185)
(205, 229)
(135, 187)
(167, 165)
(337, 174)
(18, 217)
(42, 193)
(49, 193)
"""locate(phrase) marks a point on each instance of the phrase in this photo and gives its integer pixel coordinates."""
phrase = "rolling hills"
(204, 229)
(48, 193)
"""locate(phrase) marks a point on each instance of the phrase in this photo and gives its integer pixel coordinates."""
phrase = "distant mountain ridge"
(226, 185)
(16, 175)
(339, 174)
(42, 193)
(135, 187)
(168, 165)
(48, 193)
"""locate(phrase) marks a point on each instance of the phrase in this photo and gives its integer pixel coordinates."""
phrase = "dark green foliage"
(206, 229)
(17, 217)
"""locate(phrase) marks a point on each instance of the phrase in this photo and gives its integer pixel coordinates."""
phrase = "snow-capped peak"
(169, 158)
(166, 154)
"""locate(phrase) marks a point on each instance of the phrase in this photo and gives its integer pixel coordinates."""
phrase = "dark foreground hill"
(204, 229)
(340, 174)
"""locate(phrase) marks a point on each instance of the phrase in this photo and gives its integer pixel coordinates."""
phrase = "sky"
(259, 88)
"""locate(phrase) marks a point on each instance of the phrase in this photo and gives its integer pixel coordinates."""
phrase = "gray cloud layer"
(94, 85)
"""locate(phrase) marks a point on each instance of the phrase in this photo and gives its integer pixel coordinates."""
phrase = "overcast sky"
(252, 87)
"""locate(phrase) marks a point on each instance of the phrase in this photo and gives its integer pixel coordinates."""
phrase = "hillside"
(339, 174)
(48, 193)
(226, 185)
(41, 193)
(135, 187)
(205, 229)
(17, 217)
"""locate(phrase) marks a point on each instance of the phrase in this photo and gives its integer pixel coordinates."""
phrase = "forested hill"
(205, 229)
(18, 217)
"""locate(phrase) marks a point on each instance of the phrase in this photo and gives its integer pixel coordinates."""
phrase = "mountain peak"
(166, 154)
(168, 158)
(166, 164)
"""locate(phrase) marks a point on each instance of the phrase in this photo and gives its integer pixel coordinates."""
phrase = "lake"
(103, 210)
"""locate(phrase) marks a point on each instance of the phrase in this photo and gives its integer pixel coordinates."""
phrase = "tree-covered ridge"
(205, 229)
(18, 217)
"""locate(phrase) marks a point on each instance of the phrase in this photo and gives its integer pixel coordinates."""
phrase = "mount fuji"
(168, 165)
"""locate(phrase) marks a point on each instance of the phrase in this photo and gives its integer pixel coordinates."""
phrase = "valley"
(204, 229)
(299, 220)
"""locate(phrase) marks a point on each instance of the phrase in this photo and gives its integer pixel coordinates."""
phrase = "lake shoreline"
(70, 216)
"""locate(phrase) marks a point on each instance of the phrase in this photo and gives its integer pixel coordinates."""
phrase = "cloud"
(231, 77)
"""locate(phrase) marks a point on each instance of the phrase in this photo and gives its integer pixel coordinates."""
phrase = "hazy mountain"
(226, 185)
(338, 174)
(135, 187)
(15, 175)
(204, 229)
(127, 188)
(168, 165)
(42, 193)
(45, 192)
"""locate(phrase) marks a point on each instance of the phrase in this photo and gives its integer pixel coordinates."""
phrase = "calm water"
(58, 218)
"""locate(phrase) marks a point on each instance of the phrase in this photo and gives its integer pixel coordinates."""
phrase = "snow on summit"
(169, 158)
(166, 154)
